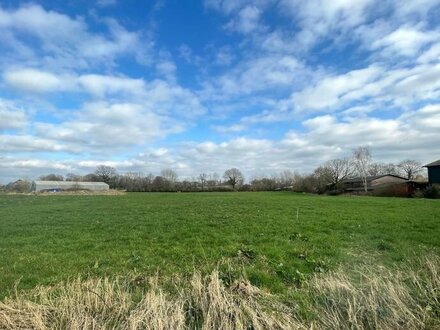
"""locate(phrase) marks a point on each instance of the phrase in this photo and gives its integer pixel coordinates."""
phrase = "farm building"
(433, 172)
(375, 182)
(41, 186)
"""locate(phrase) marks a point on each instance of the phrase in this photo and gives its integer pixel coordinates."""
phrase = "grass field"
(276, 239)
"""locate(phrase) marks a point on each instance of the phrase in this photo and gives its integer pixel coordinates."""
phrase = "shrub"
(431, 192)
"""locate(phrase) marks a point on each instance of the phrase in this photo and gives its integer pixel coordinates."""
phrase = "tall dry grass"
(110, 304)
(404, 298)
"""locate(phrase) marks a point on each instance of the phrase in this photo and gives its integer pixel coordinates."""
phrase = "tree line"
(326, 177)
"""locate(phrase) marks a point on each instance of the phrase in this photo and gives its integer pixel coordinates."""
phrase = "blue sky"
(202, 86)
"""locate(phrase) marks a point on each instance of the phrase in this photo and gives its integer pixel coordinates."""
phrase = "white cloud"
(167, 69)
(430, 55)
(414, 135)
(229, 128)
(33, 80)
(65, 42)
(29, 143)
(321, 18)
(375, 84)
(259, 74)
(230, 6)
(224, 56)
(405, 41)
(246, 21)
(103, 85)
(415, 9)
(330, 90)
(156, 110)
(11, 117)
(102, 126)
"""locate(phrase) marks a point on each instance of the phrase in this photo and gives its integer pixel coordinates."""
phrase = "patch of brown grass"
(110, 304)
(405, 298)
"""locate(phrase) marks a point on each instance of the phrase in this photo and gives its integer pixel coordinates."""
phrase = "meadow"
(276, 240)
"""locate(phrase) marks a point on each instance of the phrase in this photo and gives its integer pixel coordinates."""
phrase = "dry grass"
(104, 304)
(408, 298)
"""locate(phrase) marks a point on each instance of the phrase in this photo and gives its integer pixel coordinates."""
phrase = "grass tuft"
(382, 298)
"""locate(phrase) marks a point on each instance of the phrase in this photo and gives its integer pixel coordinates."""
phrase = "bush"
(431, 192)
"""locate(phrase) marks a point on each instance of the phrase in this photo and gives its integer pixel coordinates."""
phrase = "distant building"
(373, 182)
(54, 186)
(433, 172)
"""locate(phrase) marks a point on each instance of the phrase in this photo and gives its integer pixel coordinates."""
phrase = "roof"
(436, 163)
(371, 178)
(69, 183)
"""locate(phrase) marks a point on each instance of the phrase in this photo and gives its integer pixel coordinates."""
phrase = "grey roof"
(436, 163)
(371, 178)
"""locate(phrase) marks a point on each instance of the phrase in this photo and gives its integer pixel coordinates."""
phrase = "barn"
(54, 186)
(375, 182)
(433, 172)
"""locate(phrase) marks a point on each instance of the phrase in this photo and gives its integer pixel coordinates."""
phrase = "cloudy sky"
(202, 86)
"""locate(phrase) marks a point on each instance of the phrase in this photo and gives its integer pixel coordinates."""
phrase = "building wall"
(434, 174)
(386, 180)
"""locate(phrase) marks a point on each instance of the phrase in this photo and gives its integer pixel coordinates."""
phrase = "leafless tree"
(51, 177)
(322, 178)
(169, 175)
(73, 177)
(361, 160)
(203, 178)
(410, 168)
(339, 169)
(382, 168)
(287, 178)
(160, 184)
(233, 176)
(92, 177)
(105, 173)
(20, 186)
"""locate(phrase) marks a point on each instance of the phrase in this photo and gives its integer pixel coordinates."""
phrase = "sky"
(203, 86)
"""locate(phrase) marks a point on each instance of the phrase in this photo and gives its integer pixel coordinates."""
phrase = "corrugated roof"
(436, 163)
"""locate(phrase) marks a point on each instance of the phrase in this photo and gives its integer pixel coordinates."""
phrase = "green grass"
(45, 239)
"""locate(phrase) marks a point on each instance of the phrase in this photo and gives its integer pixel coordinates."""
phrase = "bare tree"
(287, 178)
(169, 175)
(21, 186)
(322, 178)
(51, 177)
(92, 177)
(203, 178)
(73, 177)
(339, 169)
(160, 184)
(213, 180)
(361, 161)
(410, 168)
(105, 173)
(233, 176)
(382, 168)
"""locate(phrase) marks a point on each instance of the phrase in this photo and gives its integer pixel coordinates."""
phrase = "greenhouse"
(54, 186)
